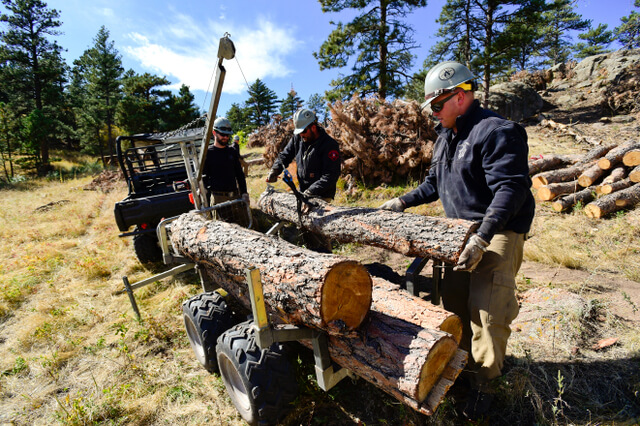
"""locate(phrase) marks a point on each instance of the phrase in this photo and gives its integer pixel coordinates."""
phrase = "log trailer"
(251, 354)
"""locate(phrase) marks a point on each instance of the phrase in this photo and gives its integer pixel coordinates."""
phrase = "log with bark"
(405, 233)
(565, 203)
(591, 175)
(613, 202)
(572, 172)
(549, 162)
(614, 157)
(632, 158)
(405, 359)
(614, 186)
(634, 175)
(554, 190)
(328, 292)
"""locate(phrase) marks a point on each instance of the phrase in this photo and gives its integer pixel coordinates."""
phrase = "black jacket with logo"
(318, 163)
(222, 171)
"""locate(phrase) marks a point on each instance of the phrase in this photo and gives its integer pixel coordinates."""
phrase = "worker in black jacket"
(317, 157)
(480, 173)
(223, 176)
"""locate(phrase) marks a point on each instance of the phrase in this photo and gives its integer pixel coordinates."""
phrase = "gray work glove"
(472, 254)
(273, 176)
(394, 204)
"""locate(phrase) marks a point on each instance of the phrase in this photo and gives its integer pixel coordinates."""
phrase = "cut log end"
(346, 294)
(453, 326)
(437, 361)
(593, 211)
(604, 163)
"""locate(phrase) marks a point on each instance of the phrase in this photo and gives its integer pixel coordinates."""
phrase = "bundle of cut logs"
(399, 342)
(604, 180)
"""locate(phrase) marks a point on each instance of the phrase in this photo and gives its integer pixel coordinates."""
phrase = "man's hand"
(394, 204)
(245, 198)
(472, 254)
(273, 176)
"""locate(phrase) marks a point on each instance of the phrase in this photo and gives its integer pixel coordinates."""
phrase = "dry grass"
(71, 352)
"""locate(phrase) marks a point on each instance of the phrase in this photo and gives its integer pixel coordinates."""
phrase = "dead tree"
(405, 233)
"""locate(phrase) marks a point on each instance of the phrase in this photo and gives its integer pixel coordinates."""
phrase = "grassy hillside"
(72, 352)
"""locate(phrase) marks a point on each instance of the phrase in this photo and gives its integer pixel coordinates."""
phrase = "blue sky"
(274, 39)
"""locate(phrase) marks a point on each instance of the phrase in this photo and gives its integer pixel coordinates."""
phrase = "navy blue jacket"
(222, 171)
(481, 173)
(318, 163)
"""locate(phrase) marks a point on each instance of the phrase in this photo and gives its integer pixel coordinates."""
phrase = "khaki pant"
(486, 302)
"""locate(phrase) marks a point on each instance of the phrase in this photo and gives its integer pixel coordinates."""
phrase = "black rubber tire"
(206, 317)
(260, 383)
(147, 249)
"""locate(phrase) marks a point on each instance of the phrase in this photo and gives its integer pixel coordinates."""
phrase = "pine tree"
(628, 33)
(34, 71)
(380, 42)
(597, 40)
(142, 106)
(181, 109)
(558, 22)
(261, 104)
(318, 104)
(290, 104)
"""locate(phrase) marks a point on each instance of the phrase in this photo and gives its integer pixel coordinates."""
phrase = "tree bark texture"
(554, 190)
(616, 174)
(549, 162)
(614, 157)
(632, 158)
(559, 175)
(324, 291)
(403, 358)
(565, 203)
(405, 233)
(613, 202)
(590, 175)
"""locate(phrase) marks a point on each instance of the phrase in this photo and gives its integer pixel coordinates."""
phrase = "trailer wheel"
(261, 383)
(147, 249)
(206, 317)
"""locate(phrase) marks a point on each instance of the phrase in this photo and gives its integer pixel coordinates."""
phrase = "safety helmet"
(236, 138)
(445, 77)
(222, 126)
(301, 120)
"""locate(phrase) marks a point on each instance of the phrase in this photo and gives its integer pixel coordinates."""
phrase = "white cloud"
(185, 52)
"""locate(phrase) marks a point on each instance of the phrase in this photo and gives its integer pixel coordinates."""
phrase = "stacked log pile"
(604, 180)
(403, 345)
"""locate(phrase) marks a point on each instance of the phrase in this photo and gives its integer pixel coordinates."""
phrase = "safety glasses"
(437, 106)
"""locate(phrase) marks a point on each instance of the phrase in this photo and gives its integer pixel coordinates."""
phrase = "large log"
(632, 158)
(615, 156)
(590, 175)
(327, 292)
(613, 202)
(572, 172)
(554, 190)
(565, 203)
(406, 360)
(549, 162)
(405, 233)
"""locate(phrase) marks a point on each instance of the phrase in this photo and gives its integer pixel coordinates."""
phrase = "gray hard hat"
(236, 138)
(445, 77)
(301, 120)
(222, 126)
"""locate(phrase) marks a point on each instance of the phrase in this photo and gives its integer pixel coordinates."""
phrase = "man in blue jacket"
(479, 171)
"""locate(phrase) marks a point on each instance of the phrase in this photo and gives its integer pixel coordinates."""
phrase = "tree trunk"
(590, 175)
(615, 156)
(632, 158)
(613, 202)
(405, 233)
(634, 175)
(553, 190)
(549, 162)
(585, 196)
(557, 176)
(399, 356)
(323, 291)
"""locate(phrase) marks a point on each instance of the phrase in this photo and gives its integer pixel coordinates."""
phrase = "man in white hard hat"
(479, 171)
(317, 157)
(223, 176)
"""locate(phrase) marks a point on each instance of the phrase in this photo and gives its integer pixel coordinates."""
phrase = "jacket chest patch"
(333, 155)
(462, 150)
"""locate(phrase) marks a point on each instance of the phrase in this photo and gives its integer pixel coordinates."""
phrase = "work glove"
(472, 254)
(245, 198)
(273, 176)
(394, 204)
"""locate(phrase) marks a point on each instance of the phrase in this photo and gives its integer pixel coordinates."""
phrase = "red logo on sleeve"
(333, 155)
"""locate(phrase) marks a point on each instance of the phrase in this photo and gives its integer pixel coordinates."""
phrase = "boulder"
(515, 100)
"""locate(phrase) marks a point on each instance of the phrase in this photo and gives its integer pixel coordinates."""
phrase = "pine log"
(405, 233)
(590, 175)
(328, 292)
(615, 156)
(632, 158)
(617, 185)
(613, 202)
(549, 162)
(565, 203)
(634, 175)
(616, 174)
(571, 173)
(554, 190)
(404, 359)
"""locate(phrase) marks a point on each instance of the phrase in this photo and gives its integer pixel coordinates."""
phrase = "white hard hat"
(445, 77)
(222, 126)
(301, 120)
